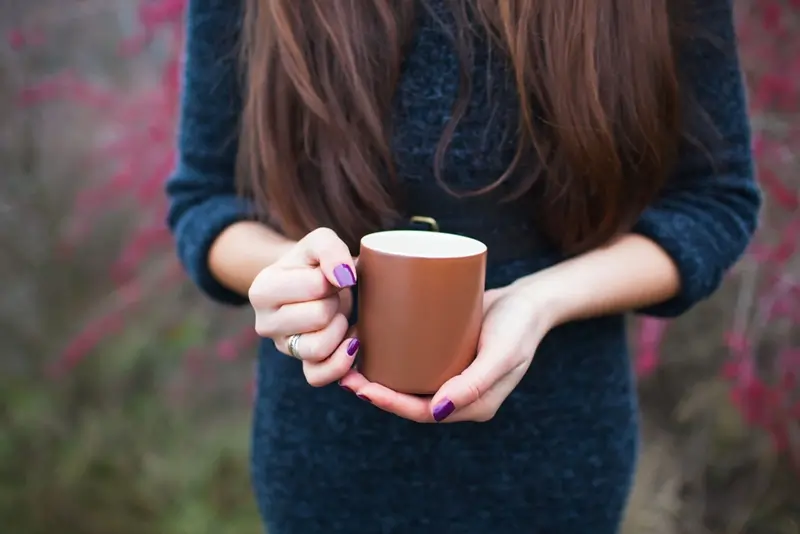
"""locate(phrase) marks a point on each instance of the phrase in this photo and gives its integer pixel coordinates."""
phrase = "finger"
(352, 381)
(489, 367)
(407, 406)
(319, 345)
(331, 369)
(286, 286)
(297, 318)
(325, 249)
(490, 297)
(486, 407)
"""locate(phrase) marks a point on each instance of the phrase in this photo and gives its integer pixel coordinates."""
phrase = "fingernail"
(352, 347)
(345, 387)
(443, 410)
(363, 397)
(344, 275)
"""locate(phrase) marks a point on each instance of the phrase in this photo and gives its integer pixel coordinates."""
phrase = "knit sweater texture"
(558, 458)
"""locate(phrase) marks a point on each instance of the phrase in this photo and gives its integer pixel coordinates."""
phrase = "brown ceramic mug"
(420, 299)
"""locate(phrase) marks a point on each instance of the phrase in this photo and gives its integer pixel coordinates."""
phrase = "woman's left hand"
(514, 323)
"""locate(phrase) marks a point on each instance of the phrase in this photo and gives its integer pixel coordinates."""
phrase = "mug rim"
(479, 247)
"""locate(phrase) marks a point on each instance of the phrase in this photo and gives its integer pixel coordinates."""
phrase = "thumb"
(472, 384)
(323, 248)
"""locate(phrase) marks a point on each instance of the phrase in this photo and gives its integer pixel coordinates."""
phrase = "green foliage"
(126, 445)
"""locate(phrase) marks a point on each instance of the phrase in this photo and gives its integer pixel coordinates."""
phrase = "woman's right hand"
(307, 292)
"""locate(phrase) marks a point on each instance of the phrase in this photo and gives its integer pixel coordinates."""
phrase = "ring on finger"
(292, 345)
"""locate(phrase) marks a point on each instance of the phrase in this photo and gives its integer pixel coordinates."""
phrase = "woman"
(600, 149)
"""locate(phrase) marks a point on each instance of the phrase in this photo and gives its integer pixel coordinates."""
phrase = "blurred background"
(125, 397)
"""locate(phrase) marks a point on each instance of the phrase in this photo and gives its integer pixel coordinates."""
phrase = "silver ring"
(292, 345)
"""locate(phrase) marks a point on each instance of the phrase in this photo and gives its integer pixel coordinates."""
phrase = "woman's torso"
(558, 455)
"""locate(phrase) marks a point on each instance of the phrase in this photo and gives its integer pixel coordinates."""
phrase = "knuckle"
(259, 291)
(263, 326)
(339, 326)
(474, 392)
(326, 242)
(315, 318)
(320, 314)
(316, 379)
(322, 235)
(317, 287)
(256, 296)
(312, 349)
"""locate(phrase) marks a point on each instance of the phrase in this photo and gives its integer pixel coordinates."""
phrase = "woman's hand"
(306, 292)
(514, 323)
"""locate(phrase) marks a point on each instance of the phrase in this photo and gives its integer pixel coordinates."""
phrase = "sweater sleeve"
(201, 190)
(707, 215)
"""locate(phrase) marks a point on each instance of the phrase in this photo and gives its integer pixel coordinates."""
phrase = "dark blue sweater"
(579, 385)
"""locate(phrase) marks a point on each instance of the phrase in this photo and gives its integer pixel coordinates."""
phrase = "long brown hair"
(596, 82)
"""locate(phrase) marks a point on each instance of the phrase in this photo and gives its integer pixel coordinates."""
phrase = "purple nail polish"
(443, 410)
(363, 397)
(352, 347)
(344, 275)
(345, 388)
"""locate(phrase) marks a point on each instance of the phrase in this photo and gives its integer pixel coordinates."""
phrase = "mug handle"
(433, 226)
